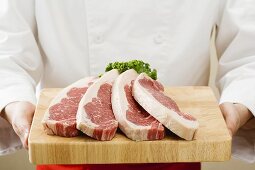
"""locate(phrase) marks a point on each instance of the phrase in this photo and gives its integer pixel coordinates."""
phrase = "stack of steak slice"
(150, 95)
(138, 102)
(95, 116)
(134, 121)
(60, 117)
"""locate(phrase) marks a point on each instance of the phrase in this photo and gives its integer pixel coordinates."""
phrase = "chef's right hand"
(20, 115)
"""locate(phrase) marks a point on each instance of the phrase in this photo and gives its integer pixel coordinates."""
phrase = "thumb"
(22, 130)
(20, 115)
(236, 115)
(231, 117)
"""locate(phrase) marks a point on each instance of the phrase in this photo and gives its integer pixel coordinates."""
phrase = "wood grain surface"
(212, 141)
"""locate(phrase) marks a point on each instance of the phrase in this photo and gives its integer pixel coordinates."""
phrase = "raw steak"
(60, 117)
(95, 116)
(133, 120)
(150, 95)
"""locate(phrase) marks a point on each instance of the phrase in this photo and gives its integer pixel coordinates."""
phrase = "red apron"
(152, 166)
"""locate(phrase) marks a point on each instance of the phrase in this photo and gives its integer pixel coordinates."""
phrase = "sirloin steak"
(134, 121)
(95, 116)
(150, 95)
(60, 117)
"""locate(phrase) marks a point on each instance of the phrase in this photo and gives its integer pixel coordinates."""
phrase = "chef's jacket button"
(98, 39)
(158, 39)
(3, 36)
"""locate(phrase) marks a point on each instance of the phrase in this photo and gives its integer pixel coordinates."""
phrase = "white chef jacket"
(57, 42)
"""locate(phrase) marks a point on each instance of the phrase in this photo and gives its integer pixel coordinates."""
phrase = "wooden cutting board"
(212, 141)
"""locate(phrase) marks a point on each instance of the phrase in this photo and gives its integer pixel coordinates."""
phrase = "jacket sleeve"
(235, 43)
(20, 62)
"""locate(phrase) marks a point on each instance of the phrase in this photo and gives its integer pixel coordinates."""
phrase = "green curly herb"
(138, 65)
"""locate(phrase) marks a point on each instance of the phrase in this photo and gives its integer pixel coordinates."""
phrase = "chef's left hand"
(235, 115)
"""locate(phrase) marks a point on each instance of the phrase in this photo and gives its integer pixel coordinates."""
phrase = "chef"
(55, 43)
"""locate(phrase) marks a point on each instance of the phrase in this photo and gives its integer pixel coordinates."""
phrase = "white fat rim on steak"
(83, 122)
(120, 106)
(174, 122)
(50, 125)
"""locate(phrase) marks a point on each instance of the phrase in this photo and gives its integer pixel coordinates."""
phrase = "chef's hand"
(235, 115)
(20, 115)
